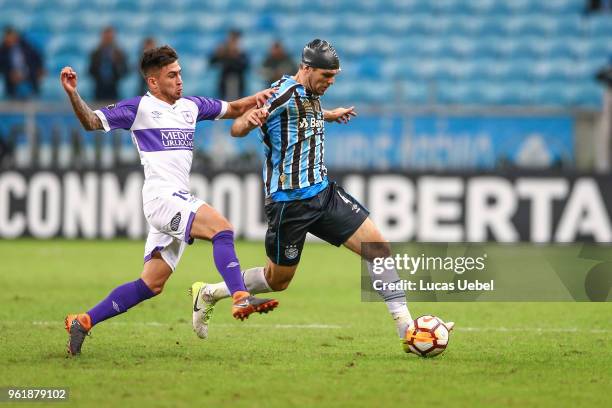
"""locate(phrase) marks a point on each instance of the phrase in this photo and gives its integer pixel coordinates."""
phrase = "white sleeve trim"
(103, 120)
(224, 106)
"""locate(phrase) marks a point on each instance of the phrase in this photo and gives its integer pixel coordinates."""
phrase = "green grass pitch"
(321, 347)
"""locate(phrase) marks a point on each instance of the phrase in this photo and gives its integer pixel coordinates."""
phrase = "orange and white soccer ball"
(426, 336)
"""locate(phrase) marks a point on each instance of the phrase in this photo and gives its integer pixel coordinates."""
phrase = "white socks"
(254, 280)
(394, 299)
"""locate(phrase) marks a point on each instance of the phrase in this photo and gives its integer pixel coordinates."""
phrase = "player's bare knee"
(220, 225)
(155, 273)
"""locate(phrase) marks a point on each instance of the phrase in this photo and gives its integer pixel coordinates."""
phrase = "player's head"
(320, 65)
(160, 68)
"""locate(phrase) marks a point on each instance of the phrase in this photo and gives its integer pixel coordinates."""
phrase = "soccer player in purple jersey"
(162, 124)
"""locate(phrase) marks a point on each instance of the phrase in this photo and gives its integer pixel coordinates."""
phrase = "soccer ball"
(426, 336)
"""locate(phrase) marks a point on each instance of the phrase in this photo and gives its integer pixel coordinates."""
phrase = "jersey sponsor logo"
(307, 123)
(291, 252)
(310, 107)
(177, 138)
(188, 116)
(175, 222)
(111, 106)
(156, 114)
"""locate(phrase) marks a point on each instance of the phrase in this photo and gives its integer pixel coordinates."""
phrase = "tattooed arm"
(87, 117)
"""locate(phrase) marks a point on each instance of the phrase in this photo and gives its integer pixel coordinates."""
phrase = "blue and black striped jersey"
(293, 138)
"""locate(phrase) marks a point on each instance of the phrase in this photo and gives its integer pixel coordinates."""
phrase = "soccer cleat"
(77, 326)
(402, 322)
(203, 307)
(449, 325)
(245, 304)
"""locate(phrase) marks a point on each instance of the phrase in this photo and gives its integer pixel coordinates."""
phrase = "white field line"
(265, 326)
(335, 326)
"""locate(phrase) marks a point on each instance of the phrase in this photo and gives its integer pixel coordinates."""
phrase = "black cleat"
(76, 334)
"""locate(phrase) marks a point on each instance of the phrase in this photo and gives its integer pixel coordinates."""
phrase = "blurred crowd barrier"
(48, 136)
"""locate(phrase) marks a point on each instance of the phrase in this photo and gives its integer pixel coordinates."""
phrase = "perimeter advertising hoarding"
(529, 207)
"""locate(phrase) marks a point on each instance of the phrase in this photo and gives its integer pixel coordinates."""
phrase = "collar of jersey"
(292, 81)
(156, 99)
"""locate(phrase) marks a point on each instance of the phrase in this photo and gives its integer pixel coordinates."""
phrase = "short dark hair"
(157, 58)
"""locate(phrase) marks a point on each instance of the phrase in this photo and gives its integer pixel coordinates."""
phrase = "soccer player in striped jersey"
(162, 123)
(299, 196)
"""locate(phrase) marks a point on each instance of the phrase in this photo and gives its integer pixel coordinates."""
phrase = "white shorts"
(170, 217)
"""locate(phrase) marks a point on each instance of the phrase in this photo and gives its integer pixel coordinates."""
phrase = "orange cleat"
(244, 304)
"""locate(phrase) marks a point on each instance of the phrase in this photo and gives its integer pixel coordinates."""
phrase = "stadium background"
(466, 109)
(445, 87)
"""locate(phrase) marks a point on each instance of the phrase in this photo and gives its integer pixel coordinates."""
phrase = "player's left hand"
(340, 115)
(262, 97)
(257, 117)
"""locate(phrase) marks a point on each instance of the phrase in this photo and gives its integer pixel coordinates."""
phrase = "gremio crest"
(291, 252)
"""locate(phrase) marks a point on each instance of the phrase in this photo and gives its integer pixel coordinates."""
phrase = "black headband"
(320, 54)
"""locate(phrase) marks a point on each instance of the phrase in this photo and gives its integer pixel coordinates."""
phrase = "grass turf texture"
(321, 347)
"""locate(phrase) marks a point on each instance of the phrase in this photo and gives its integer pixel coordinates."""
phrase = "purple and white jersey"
(163, 135)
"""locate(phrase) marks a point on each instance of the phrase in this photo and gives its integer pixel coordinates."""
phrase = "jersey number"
(180, 194)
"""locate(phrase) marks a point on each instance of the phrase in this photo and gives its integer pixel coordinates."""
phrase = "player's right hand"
(68, 78)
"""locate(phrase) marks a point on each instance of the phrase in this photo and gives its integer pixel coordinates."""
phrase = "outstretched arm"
(87, 117)
(237, 108)
(340, 115)
(250, 120)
